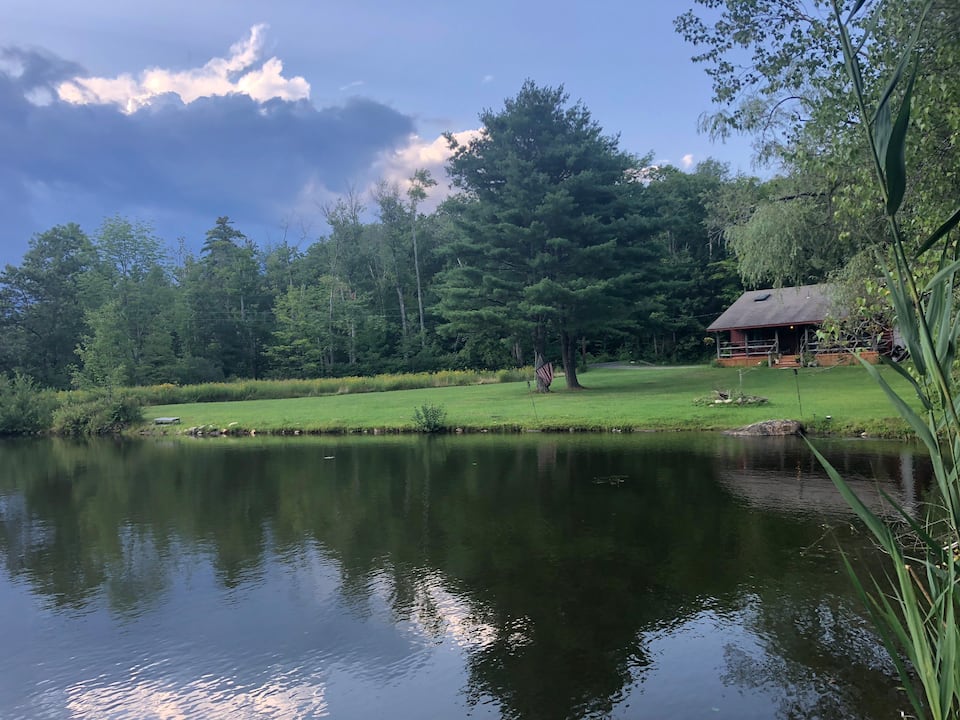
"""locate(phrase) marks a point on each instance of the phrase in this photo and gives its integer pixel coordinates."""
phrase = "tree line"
(556, 244)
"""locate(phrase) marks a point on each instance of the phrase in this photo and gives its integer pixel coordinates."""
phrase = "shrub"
(103, 414)
(169, 394)
(24, 407)
(430, 418)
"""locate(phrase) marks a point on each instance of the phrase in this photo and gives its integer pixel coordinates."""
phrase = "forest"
(554, 243)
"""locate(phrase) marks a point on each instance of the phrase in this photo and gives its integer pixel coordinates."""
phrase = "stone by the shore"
(770, 427)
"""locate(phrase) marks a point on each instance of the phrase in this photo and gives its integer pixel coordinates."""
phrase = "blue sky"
(179, 111)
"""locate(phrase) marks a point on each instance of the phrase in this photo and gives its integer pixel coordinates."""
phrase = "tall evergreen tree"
(551, 238)
(228, 303)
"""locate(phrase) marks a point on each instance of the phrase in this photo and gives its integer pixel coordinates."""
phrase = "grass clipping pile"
(726, 397)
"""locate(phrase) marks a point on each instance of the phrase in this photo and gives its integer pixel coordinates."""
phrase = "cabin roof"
(773, 307)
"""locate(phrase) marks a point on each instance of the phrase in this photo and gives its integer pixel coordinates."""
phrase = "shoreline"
(837, 402)
(901, 434)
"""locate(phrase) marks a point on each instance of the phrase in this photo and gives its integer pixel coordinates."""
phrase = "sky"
(176, 112)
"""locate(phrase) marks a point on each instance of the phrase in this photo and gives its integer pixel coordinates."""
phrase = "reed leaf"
(914, 607)
(855, 9)
(889, 635)
(895, 163)
(903, 309)
(940, 232)
(905, 411)
(902, 372)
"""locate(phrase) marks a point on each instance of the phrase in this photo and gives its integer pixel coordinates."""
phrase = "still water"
(653, 576)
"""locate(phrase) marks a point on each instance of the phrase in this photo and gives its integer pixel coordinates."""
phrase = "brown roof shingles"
(802, 305)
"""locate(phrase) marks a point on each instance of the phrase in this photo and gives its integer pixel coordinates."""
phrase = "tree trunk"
(330, 325)
(403, 313)
(568, 349)
(353, 342)
(352, 347)
(416, 267)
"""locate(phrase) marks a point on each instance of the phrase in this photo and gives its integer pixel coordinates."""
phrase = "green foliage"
(100, 413)
(787, 242)
(131, 325)
(550, 234)
(170, 394)
(915, 606)
(779, 73)
(24, 407)
(649, 398)
(42, 305)
(695, 280)
(430, 418)
(576, 249)
(227, 307)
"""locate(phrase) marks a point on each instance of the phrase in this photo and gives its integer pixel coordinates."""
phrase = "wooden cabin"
(778, 326)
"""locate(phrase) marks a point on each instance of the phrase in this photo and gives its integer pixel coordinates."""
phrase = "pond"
(540, 576)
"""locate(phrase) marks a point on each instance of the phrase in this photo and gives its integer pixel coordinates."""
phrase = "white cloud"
(687, 161)
(351, 85)
(399, 165)
(487, 79)
(239, 73)
(395, 167)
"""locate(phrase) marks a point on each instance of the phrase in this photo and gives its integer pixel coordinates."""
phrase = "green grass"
(169, 394)
(628, 399)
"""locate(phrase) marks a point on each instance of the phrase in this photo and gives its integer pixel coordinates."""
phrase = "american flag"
(545, 373)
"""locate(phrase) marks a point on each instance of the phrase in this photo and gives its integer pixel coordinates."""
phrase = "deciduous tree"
(43, 302)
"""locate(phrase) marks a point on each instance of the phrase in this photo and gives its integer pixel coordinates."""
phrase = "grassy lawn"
(636, 399)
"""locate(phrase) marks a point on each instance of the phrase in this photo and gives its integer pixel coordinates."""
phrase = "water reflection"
(505, 577)
(779, 474)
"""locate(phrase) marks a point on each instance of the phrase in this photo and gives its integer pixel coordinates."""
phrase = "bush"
(24, 407)
(104, 414)
(430, 418)
(170, 394)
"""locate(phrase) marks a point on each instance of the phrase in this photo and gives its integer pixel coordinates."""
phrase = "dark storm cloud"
(37, 68)
(219, 155)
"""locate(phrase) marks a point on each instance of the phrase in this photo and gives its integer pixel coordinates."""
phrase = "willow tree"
(550, 240)
(778, 75)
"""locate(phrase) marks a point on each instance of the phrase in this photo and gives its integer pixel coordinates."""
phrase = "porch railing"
(748, 348)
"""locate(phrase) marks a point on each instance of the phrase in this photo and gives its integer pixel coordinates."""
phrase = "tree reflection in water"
(562, 589)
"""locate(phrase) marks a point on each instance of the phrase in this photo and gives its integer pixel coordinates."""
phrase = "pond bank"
(838, 401)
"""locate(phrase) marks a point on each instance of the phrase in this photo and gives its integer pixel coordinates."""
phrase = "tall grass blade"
(895, 162)
(903, 409)
(902, 372)
(855, 9)
(914, 608)
(888, 636)
(942, 275)
(946, 227)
